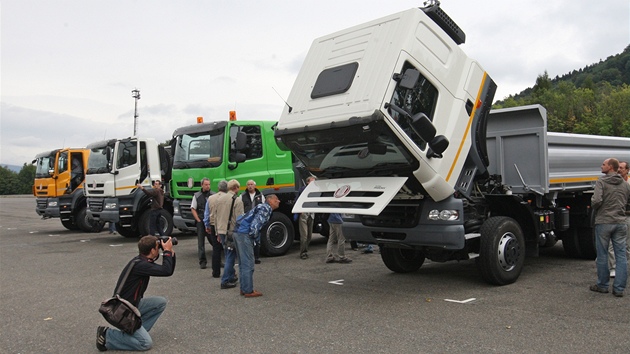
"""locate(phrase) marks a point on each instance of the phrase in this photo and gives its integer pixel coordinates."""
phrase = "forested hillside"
(592, 100)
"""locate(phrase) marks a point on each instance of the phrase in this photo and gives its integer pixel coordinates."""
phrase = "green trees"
(17, 183)
(594, 100)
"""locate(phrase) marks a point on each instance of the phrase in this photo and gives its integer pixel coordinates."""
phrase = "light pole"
(135, 93)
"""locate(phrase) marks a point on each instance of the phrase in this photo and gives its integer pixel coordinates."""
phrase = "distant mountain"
(615, 70)
(592, 100)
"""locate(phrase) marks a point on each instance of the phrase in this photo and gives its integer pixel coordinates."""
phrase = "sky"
(68, 66)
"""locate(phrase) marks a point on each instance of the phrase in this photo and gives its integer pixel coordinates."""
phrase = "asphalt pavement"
(52, 281)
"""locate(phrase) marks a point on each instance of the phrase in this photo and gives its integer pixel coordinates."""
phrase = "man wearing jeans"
(247, 227)
(133, 291)
(228, 204)
(609, 202)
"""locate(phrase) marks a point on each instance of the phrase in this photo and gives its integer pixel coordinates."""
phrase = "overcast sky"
(68, 67)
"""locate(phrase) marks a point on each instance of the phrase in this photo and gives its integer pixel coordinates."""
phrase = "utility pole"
(135, 93)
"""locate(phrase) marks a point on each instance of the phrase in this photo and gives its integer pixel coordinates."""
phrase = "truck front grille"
(400, 214)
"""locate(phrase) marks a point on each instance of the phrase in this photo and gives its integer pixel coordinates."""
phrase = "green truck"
(240, 150)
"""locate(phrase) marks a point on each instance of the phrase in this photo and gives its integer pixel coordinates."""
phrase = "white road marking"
(461, 301)
(337, 282)
(116, 245)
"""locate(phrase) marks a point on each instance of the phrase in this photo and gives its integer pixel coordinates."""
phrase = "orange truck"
(58, 187)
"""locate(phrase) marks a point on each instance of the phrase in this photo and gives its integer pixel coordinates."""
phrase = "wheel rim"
(508, 251)
(277, 235)
(164, 224)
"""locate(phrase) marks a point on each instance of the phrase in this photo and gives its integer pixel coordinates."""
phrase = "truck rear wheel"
(579, 242)
(401, 260)
(277, 236)
(501, 251)
(68, 224)
(166, 223)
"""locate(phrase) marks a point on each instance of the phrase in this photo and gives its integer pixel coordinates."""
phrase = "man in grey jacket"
(609, 203)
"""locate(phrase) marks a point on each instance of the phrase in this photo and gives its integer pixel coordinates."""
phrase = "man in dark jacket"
(609, 201)
(251, 198)
(197, 209)
(157, 201)
(133, 291)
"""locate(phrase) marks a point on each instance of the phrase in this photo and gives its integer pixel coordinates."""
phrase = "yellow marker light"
(232, 115)
(199, 120)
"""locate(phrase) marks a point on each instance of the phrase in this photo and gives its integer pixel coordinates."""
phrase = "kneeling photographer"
(143, 267)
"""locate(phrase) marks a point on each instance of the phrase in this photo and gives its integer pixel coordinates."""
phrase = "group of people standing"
(232, 225)
(611, 204)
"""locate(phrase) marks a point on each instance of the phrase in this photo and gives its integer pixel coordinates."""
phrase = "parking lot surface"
(52, 281)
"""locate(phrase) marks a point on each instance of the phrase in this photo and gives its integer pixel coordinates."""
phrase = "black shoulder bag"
(119, 312)
(229, 235)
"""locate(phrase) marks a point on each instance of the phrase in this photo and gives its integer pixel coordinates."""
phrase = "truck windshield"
(359, 150)
(44, 165)
(200, 149)
(98, 162)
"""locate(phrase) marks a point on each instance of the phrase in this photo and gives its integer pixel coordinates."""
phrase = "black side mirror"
(237, 157)
(422, 126)
(437, 146)
(409, 79)
(240, 142)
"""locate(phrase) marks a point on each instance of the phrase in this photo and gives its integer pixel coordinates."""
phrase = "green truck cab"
(240, 150)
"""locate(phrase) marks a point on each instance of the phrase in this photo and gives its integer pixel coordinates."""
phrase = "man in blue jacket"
(247, 228)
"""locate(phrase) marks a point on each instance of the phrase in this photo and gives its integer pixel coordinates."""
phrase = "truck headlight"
(110, 206)
(52, 204)
(445, 215)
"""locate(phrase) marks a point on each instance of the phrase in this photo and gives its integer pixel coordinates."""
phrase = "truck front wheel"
(501, 251)
(83, 221)
(166, 223)
(401, 260)
(277, 236)
(126, 231)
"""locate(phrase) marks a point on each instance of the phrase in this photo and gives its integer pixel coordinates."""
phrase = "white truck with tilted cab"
(395, 120)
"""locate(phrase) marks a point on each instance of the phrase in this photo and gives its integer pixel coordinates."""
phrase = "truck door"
(62, 180)
(254, 165)
(127, 166)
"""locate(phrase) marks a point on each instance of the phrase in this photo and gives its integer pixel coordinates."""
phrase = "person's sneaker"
(368, 250)
(330, 260)
(597, 289)
(303, 256)
(228, 285)
(100, 338)
(257, 261)
(253, 294)
(203, 265)
(612, 273)
(617, 294)
(345, 260)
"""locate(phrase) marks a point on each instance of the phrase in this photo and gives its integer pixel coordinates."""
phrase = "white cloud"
(68, 67)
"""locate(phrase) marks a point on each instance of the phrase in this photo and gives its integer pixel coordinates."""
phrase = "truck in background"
(114, 169)
(58, 187)
(395, 119)
(240, 150)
